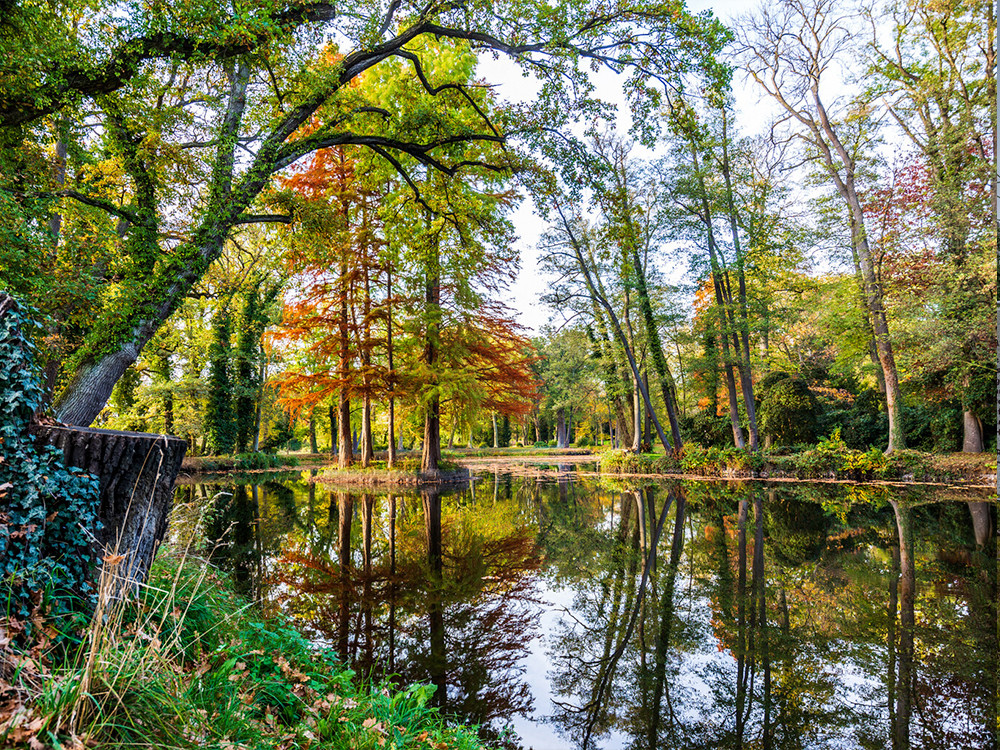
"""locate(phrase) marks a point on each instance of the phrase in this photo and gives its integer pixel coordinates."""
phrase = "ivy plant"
(48, 511)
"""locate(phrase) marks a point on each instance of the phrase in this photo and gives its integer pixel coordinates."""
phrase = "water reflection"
(676, 616)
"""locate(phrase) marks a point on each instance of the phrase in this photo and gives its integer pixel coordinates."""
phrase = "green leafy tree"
(220, 422)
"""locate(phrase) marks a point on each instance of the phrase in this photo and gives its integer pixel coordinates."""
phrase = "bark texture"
(136, 472)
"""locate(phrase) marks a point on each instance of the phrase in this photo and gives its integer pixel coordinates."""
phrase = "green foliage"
(262, 460)
(46, 509)
(220, 421)
(713, 461)
(707, 428)
(832, 457)
(584, 441)
(280, 435)
(866, 424)
(219, 674)
(626, 462)
(787, 411)
(504, 432)
(248, 359)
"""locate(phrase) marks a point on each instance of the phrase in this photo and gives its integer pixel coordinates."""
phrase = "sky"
(525, 295)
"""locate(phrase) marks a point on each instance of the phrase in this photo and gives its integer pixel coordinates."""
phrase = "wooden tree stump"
(136, 472)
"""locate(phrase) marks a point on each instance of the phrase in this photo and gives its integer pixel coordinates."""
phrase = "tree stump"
(136, 472)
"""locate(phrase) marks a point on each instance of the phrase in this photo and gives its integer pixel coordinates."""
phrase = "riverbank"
(829, 460)
(193, 665)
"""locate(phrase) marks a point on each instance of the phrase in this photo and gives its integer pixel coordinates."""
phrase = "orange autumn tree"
(332, 315)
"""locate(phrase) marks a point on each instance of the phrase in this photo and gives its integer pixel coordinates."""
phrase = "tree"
(938, 82)
(197, 87)
(333, 231)
(220, 423)
(634, 227)
(791, 49)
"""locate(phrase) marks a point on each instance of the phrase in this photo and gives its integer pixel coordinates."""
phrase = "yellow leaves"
(106, 176)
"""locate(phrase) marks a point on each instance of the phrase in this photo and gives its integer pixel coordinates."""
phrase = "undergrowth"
(191, 665)
(829, 458)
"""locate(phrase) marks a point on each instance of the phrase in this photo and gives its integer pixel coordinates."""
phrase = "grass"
(188, 664)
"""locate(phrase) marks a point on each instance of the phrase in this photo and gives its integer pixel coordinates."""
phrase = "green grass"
(192, 665)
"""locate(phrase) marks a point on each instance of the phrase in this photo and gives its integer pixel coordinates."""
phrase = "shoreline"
(467, 464)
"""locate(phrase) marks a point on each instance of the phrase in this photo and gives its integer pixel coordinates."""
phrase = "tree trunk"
(562, 436)
(345, 456)
(601, 299)
(742, 340)
(367, 442)
(718, 283)
(391, 447)
(972, 439)
(874, 301)
(647, 422)
(636, 419)
(432, 418)
(136, 472)
(313, 447)
(496, 433)
(333, 429)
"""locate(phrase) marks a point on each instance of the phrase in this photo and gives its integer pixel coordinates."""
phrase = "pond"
(557, 609)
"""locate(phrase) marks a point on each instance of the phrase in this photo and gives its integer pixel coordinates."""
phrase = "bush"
(787, 411)
(584, 442)
(707, 428)
(865, 424)
(832, 457)
(626, 462)
(261, 460)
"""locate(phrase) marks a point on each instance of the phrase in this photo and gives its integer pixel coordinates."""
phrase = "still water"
(559, 610)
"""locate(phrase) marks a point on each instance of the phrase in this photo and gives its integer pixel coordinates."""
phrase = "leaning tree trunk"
(136, 472)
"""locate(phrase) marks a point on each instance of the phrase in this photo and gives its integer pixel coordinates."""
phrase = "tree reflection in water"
(697, 616)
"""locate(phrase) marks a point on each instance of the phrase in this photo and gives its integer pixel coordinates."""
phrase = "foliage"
(220, 422)
(218, 673)
(262, 460)
(46, 508)
(787, 410)
(705, 427)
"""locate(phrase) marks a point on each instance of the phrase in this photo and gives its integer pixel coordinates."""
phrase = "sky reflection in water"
(558, 610)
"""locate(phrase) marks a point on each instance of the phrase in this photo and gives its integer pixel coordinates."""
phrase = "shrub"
(254, 461)
(707, 428)
(865, 424)
(584, 442)
(787, 411)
